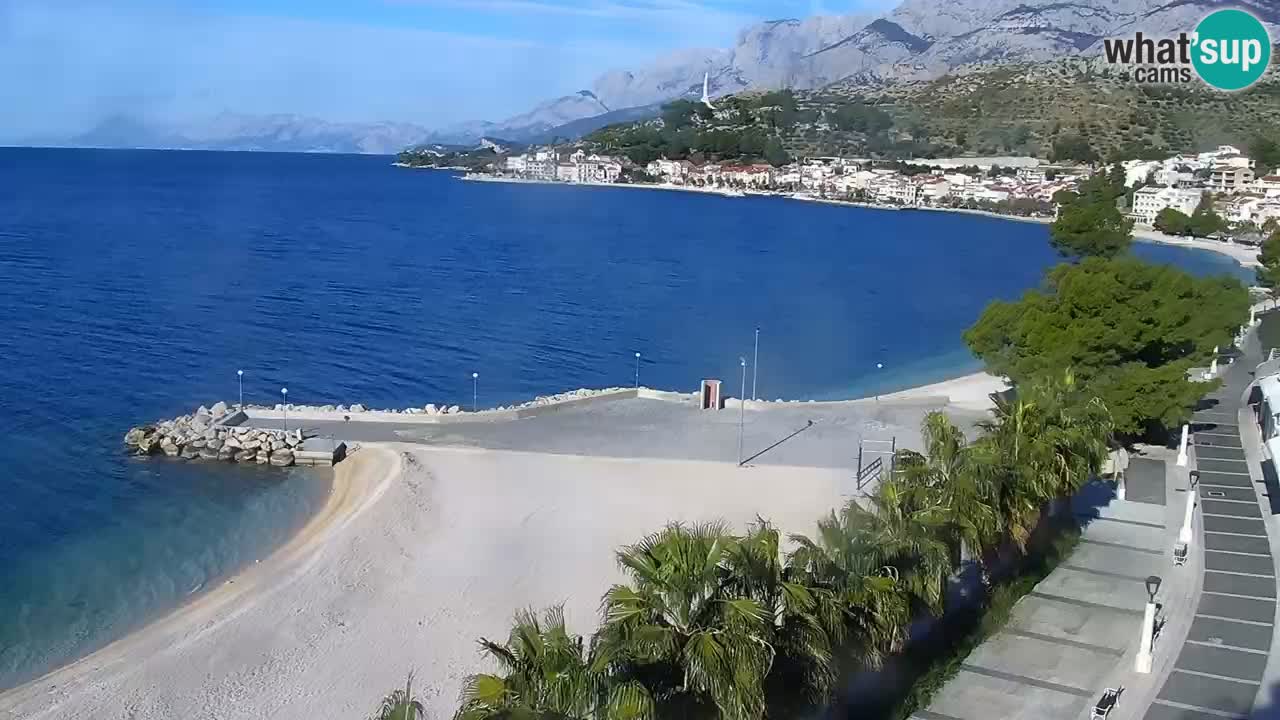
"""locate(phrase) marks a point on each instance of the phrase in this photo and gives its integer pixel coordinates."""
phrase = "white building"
(518, 164)
(566, 172)
(671, 170)
(1230, 177)
(540, 168)
(1149, 201)
(895, 189)
(597, 171)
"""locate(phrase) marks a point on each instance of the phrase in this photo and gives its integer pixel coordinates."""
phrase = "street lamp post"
(637, 370)
(284, 408)
(742, 406)
(1182, 446)
(1142, 663)
(1184, 535)
(240, 382)
(475, 390)
(755, 365)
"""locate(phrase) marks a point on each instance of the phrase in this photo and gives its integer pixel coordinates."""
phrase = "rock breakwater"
(211, 434)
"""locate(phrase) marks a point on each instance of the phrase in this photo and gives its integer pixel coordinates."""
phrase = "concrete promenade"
(1218, 671)
(1077, 631)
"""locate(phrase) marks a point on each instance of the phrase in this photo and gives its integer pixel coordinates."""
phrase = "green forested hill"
(1061, 110)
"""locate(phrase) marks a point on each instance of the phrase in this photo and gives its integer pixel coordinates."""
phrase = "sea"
(135, 284)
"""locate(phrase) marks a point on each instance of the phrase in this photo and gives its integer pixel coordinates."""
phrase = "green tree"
(1269, 257)
(1042, 445)
(949, 476)
(1173, 222)
(1129, 330)
(1071, 147)
(864, 610)
(677, 625)
(1265, 151)
(547, 676)
(903, 537)
(1091, 229)
(1204, 221)
(775, 154)
(401, 704)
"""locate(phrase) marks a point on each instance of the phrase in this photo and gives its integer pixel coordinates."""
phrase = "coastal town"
(1224, 181)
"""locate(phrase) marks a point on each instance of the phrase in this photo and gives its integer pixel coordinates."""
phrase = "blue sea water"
(133, 285)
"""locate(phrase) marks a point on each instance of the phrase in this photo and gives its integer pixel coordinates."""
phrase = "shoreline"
(357, 485)
(1244, 255)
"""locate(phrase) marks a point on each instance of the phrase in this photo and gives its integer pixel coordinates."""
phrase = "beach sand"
(414, 557)
(969, 392)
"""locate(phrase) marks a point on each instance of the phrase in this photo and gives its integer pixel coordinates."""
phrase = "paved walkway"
(1219, 669)
(1078, 629)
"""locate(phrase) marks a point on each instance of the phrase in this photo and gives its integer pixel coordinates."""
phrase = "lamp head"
(1153, 586)
(284, 391)
(475, 375)
(240, 372)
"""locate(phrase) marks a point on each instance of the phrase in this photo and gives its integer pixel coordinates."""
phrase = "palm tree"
(401, 704)
(950, 477)
(547, 676)
(802, 667)
(1044, 446)
(681, 630)
(904, 539)
(863, 609)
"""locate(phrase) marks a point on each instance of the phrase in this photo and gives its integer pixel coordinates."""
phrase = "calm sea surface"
(133, 285)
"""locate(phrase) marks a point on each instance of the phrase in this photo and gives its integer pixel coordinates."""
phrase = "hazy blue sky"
(64, 64)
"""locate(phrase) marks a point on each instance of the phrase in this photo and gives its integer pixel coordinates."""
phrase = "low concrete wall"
(462, 417)
(535, 410)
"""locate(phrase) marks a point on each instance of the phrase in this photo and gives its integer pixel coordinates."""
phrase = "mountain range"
(918, 40)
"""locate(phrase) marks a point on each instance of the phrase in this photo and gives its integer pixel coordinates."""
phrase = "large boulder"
(213, 443)
(232, 442)
(453, 409)
(170, 448)
(218, 410)
(263, 457)
(430, 409)
(209, 453)
(282, 458)
(197, 443)
(246, 456)
(357, 408)
(190, 452)
(135, 436)
(227, 454)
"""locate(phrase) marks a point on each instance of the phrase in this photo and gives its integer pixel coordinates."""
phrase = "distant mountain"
(232, 131)
(579, 128)
(919, 40)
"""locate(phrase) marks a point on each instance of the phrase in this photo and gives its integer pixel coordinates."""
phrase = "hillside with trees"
(1070, 110)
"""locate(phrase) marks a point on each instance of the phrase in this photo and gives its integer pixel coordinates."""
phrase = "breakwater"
(214, 433)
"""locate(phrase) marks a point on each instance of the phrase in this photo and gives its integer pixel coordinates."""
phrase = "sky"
(65, 65)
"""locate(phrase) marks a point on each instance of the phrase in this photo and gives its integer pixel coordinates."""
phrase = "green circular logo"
(1232, 49)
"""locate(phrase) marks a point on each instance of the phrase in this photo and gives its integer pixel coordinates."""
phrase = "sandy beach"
(969, 392)
(423, 547)
(419, 552)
